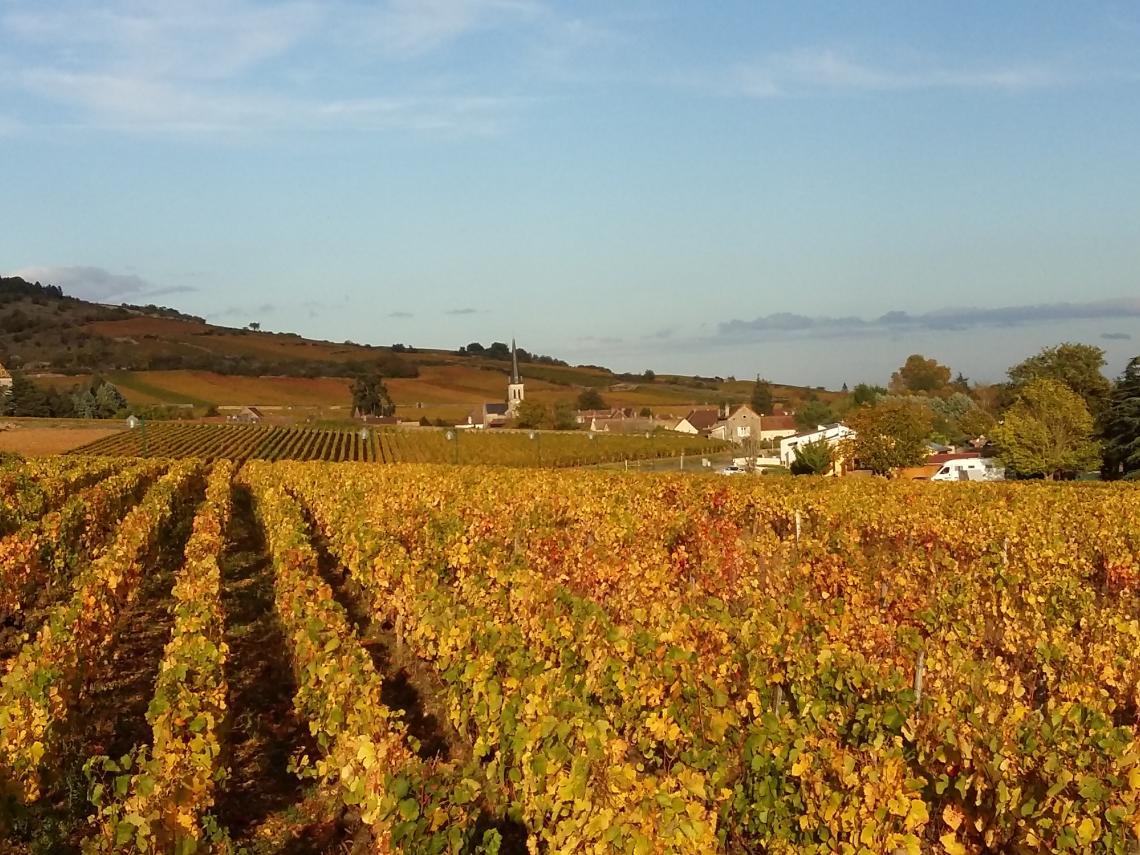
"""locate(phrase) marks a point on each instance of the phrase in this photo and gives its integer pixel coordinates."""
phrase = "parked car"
(733, 469)
(970, 469)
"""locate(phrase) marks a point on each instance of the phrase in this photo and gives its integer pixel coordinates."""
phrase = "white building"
(833, 434)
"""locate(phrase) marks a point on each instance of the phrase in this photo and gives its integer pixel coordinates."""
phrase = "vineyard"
(380, 445)
(330, 657)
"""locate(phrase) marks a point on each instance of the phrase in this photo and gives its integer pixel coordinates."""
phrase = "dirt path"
(411, 686)
(263, 805)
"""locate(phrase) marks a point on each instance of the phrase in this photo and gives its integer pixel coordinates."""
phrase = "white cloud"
(204, 39)
(126, 102)
(822, 70)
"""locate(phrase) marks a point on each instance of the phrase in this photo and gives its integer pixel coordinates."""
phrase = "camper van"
(970, 469)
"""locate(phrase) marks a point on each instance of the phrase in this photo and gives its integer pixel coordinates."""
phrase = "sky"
(808, 191)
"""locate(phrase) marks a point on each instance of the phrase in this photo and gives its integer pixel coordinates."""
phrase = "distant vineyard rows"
(391, 445)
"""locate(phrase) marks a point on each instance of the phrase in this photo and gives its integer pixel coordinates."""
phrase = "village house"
(833, 434)
(5, 379)
(777, 426)
(494, 415)
(744, 425)
(698, 422)
(248, 416)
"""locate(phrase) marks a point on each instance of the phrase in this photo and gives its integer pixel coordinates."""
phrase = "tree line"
(1056, 415)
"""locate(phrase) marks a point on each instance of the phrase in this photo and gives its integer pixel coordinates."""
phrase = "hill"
(158, 355)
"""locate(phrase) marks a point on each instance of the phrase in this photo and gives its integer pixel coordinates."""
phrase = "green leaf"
(409, 809)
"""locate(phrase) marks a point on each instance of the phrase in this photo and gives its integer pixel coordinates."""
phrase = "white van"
(970, 469)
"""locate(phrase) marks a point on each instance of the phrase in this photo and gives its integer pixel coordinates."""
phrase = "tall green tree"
(1048, 431)
(813, 414)
(1078, 366)
(864, 395)
(564, 416)
(1120, 428)
(532, 414)
(370, 397)
(591, 399)
(920, 374)
(109, 401)
(890, 435)
(813, 458)
(761, 396)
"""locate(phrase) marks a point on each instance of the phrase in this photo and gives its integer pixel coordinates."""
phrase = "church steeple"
(516, 393)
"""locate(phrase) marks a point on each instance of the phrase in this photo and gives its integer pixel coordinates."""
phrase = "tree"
(532, 414)
(813, 458)
(25, 398)
(648, 376)
(1078, 366)
(564, 417)
(975, 423)
(890, 435)
(919, 374)
(645, 413)
(109, 401)
(1121, 424)
(813, 414)
(1048, 431)
(591, 399)
(761, 396)
(864, 395)
(370, 397)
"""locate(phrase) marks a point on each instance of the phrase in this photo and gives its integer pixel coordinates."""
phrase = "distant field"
(37, 440)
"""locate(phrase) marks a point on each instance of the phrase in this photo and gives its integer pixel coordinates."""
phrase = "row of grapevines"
(160, 797)
(30, 489)
(574, 781)
(368, 754)
(43, 552)
(43, 681)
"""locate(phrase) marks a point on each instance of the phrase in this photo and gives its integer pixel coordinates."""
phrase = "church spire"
(514, 362)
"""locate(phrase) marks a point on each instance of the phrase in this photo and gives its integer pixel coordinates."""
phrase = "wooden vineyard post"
(799, 525)
(919, 668)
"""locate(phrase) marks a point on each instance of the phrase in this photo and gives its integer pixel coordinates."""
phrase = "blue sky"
(809, 191)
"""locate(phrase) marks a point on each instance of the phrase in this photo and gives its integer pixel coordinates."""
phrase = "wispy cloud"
(95, 283)
(813, 71)
(213, 66)
(789, 325)
(400, 315)
(1116, 336)
(414, 27)
(463, 311)
(244, 312)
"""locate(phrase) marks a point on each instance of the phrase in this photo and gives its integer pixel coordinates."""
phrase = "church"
(497, 415)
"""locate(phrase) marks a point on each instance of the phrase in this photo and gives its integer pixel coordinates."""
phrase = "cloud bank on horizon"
(962, 318)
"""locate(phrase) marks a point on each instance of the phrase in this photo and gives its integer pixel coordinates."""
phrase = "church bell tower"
(515, 391)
